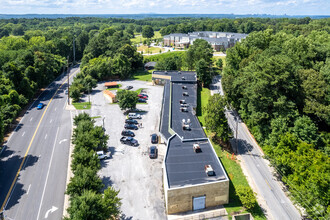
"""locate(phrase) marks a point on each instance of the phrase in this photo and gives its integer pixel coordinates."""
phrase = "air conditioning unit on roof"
(209, 170)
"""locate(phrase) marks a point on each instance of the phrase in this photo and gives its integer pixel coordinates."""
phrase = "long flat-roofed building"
(194, 177)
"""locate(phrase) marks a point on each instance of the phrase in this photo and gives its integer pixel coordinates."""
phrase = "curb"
(254, 140)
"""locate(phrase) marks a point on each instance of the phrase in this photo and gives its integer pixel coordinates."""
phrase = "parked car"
(153, 152)
(142, 96)
(134, 116)
(142, 100)
(131, 121)
(40, 106)
(128, 87)
(128, 133)
(130, 126)
(154, 139)
(102, 156)
(129, 141)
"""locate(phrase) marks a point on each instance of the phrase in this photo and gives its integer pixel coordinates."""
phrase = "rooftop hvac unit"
(209, 170)
(197, 148)
(184, 109)
(183, 78)
(184, 87)
(185, 94)
(182, 101)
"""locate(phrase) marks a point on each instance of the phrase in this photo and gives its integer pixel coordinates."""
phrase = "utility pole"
(236, 133)
(74, 50)
(68, 70)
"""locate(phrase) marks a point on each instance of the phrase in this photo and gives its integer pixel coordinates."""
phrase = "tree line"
(280, 85)
(85, 187)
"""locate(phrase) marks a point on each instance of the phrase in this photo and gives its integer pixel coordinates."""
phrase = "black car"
(154, 139)
(153, 152)
(131, 121)
(142, 100)
(128, 133)
(129, 141)
(129, 87)
(130, 126)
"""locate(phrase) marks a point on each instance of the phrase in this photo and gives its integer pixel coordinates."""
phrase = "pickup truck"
(129, 141)
(102, 156)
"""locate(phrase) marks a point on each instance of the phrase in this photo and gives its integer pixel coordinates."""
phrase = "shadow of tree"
(9, 165)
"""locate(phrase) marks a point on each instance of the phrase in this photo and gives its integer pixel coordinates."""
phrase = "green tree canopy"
(127, 99)
(147, 31)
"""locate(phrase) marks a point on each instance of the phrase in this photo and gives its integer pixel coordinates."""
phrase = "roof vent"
(186, 125)
(209, 170)
(197, 148)
(185, 94)
(183, 78)
(184, 87)
(182, 101)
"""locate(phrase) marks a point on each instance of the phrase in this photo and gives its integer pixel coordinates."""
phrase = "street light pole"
(236, 118)
(68, 70)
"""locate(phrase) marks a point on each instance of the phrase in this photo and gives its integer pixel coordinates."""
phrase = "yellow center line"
(27, 151)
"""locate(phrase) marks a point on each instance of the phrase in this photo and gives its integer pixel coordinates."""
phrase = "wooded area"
(280, 85)
(278, 79)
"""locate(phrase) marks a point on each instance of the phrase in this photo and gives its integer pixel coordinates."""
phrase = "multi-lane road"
(34, 163)
(278, 204)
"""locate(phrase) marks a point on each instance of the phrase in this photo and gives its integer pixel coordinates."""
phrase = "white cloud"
(166, 6)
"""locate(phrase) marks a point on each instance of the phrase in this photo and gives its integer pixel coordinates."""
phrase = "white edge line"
(50, 163)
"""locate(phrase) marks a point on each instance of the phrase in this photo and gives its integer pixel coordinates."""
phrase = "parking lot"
(130, 169)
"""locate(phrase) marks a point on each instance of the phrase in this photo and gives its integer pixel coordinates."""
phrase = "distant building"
(111, 84)
(218, 40)
(193, 176)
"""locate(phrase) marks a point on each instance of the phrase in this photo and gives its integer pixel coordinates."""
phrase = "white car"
(102, 156)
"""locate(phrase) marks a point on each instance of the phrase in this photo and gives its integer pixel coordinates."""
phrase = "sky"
(273, 7)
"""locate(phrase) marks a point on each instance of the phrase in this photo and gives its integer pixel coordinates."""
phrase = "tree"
(200, 49)
(89, 205)
(82, 117)
(246, 196)
(112, 201)
(219, 63)
(127, 99)
(75, 93)
(215, 119)
(203, 72)
(84, 158)
(147, 31)
(85, 178)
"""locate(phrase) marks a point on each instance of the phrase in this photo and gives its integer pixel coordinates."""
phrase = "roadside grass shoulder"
(229, 161)
(82, 105)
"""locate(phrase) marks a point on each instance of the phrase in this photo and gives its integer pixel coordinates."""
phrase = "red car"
(142, 96)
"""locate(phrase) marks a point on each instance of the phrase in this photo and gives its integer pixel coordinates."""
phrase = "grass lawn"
(139, 90)
(203, 95)
(139, 39)
(82, 105)
(95, 117)
(232, 168)
(150, 50)
(142, 75)
(115, 88)
(215, 58)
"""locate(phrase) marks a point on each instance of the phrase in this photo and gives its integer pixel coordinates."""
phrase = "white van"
(134, 116)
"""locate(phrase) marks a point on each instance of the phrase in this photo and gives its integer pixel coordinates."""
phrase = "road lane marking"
(51, 210)
(50, 163)
(268, 184)
(30, 144)
(31, 118)
(55, 109)
(28, 189)
(23, 133)
(51, 120)
(46, 136)
(63, 141)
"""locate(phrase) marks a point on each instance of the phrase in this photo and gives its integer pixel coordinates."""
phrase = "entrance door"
(198, 203)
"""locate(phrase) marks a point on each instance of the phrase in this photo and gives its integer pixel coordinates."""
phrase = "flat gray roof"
(178, 76)
(183, 166)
